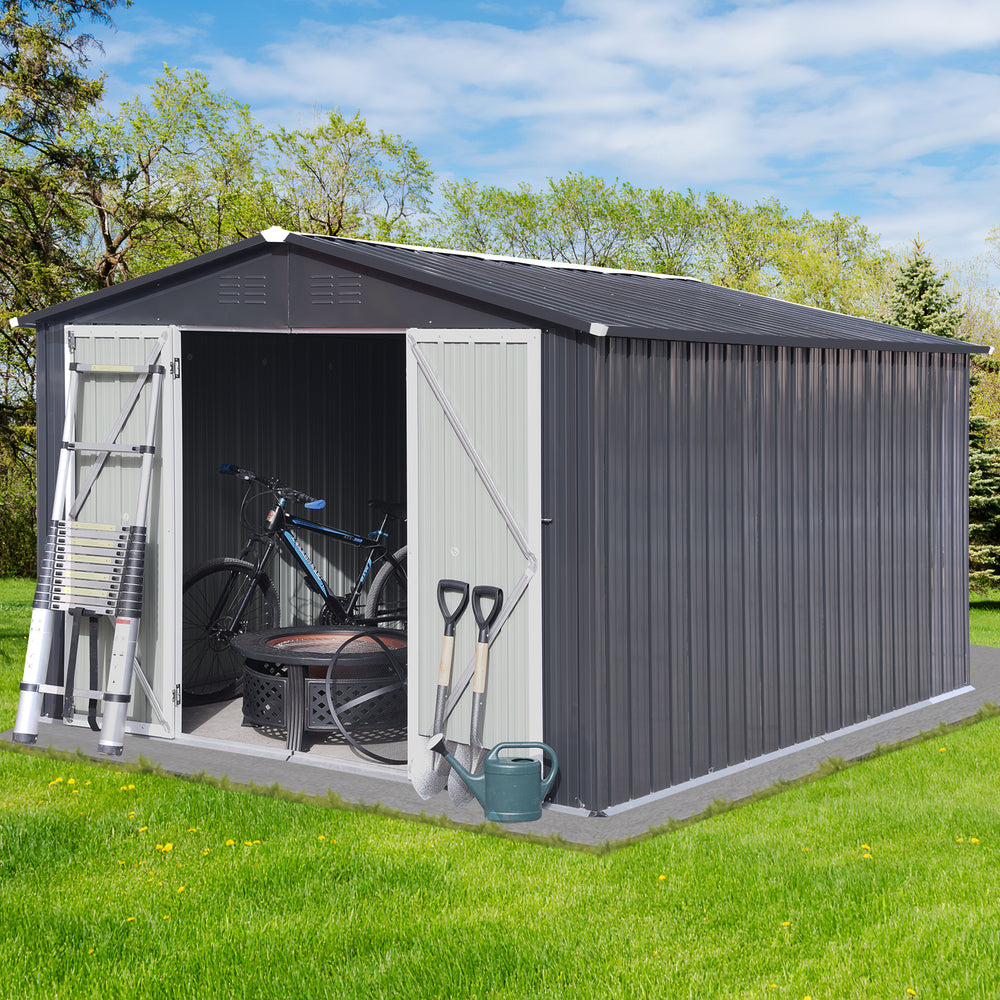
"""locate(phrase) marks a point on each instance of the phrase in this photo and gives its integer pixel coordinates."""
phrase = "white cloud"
(781, 96)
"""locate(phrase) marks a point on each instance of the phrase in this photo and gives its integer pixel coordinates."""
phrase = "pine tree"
(919, 302)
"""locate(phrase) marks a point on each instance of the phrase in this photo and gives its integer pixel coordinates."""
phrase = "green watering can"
(510, 789)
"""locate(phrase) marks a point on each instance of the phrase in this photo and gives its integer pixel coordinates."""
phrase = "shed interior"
(324, 413)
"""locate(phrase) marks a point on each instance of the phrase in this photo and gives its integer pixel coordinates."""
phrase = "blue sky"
(885, 109)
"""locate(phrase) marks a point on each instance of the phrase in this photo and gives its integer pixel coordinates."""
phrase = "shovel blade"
(429, 773)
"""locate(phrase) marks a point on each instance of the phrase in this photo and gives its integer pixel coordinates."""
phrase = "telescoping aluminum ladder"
(93, 570)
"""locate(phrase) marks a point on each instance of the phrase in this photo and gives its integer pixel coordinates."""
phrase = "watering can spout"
(476, 782)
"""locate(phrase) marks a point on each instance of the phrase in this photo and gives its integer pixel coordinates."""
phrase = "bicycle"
(228, 596)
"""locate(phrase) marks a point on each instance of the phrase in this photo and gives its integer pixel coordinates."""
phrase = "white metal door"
(474, 511)
(112, 500)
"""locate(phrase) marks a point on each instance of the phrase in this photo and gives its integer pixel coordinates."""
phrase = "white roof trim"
(13, 322)
(563, 265)
(275, 234)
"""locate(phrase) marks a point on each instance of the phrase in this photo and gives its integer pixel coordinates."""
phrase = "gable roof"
(599, 301)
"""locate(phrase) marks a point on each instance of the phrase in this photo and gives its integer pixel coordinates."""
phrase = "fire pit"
(322, 679)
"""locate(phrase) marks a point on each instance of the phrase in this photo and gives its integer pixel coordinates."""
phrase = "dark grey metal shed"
(729, 524)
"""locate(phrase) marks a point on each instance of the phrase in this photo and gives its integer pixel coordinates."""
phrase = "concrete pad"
(357, 781)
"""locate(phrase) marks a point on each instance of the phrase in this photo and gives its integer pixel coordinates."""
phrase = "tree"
(577, 219)
(185, 175)
(44, 88)
(920, 301)
(341, 179)
(833, 264)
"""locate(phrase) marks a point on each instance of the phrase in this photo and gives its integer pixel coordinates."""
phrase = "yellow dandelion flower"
(867, 856)
(865, 847)
(321, 837)
(941, 750)
(180, 888)
(959, 840)
(121, 862)
(975, 840)
(90, 951)
(76, 791)
(131, 815)
(256, 841)
(206, 852)
(247, 843)
(786, 923)
(143, 829)
(663, 878)
(130, 920)
(166, 916)
(192, 829)
(72, 781)
(123, 789)
(131, 788)
(229, 843)
(910, 992)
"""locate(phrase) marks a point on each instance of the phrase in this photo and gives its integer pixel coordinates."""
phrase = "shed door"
(474, 511)
(112, 500)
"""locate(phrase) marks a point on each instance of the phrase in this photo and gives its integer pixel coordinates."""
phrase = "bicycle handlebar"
(313, 503)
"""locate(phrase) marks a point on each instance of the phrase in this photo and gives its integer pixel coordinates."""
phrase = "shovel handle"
(483, 620)
(446, 587)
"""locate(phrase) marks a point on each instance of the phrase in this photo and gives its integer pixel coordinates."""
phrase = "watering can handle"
(545, 748)
(484, 621)
(451, 618)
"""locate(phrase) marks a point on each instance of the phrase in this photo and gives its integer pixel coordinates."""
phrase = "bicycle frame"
(279, 532)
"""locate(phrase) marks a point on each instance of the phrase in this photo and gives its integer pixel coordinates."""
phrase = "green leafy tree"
(834, 264)
(186, 175)
(44, 88)
(577, 219)
(341, 179)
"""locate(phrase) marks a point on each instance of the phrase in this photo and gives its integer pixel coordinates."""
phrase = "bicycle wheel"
(213, 593)
(386, 604)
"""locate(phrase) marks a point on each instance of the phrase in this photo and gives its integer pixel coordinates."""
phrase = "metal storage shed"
(727, 524)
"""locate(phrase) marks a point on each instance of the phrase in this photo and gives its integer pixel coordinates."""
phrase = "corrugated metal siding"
(324, 413)
(750, 546)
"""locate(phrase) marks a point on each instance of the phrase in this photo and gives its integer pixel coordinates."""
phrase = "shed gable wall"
(750, 547)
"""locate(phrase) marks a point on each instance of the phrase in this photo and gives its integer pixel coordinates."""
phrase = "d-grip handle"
(483, 620)
(544, 747)
(446, 587)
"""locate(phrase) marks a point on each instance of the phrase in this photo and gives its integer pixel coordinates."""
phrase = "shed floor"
(327, 766)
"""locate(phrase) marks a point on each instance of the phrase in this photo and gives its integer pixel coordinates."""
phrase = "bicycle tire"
(386, 604)
(211, 669)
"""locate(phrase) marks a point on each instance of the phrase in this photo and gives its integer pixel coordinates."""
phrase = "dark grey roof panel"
(471, 290)
(632, 304)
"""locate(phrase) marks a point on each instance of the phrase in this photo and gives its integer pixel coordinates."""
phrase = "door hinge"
(176, 694)
(175, 368)
(71, 342)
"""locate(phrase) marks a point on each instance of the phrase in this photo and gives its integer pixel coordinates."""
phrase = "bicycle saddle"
(390, 509)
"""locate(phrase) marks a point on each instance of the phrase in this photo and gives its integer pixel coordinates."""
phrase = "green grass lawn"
(872, 882)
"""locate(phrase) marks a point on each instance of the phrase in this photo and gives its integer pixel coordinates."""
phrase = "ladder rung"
(61, 690)
(78, 366)
(74, 531)
(72, 574)
(116, 449)
(85, 559)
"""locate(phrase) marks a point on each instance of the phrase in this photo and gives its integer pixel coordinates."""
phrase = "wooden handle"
(447, 654)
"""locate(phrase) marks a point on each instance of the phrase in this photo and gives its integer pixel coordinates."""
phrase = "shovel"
(471, 757)
(429, 771)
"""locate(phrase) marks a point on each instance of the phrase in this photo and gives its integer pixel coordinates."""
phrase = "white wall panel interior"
(491, 381)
